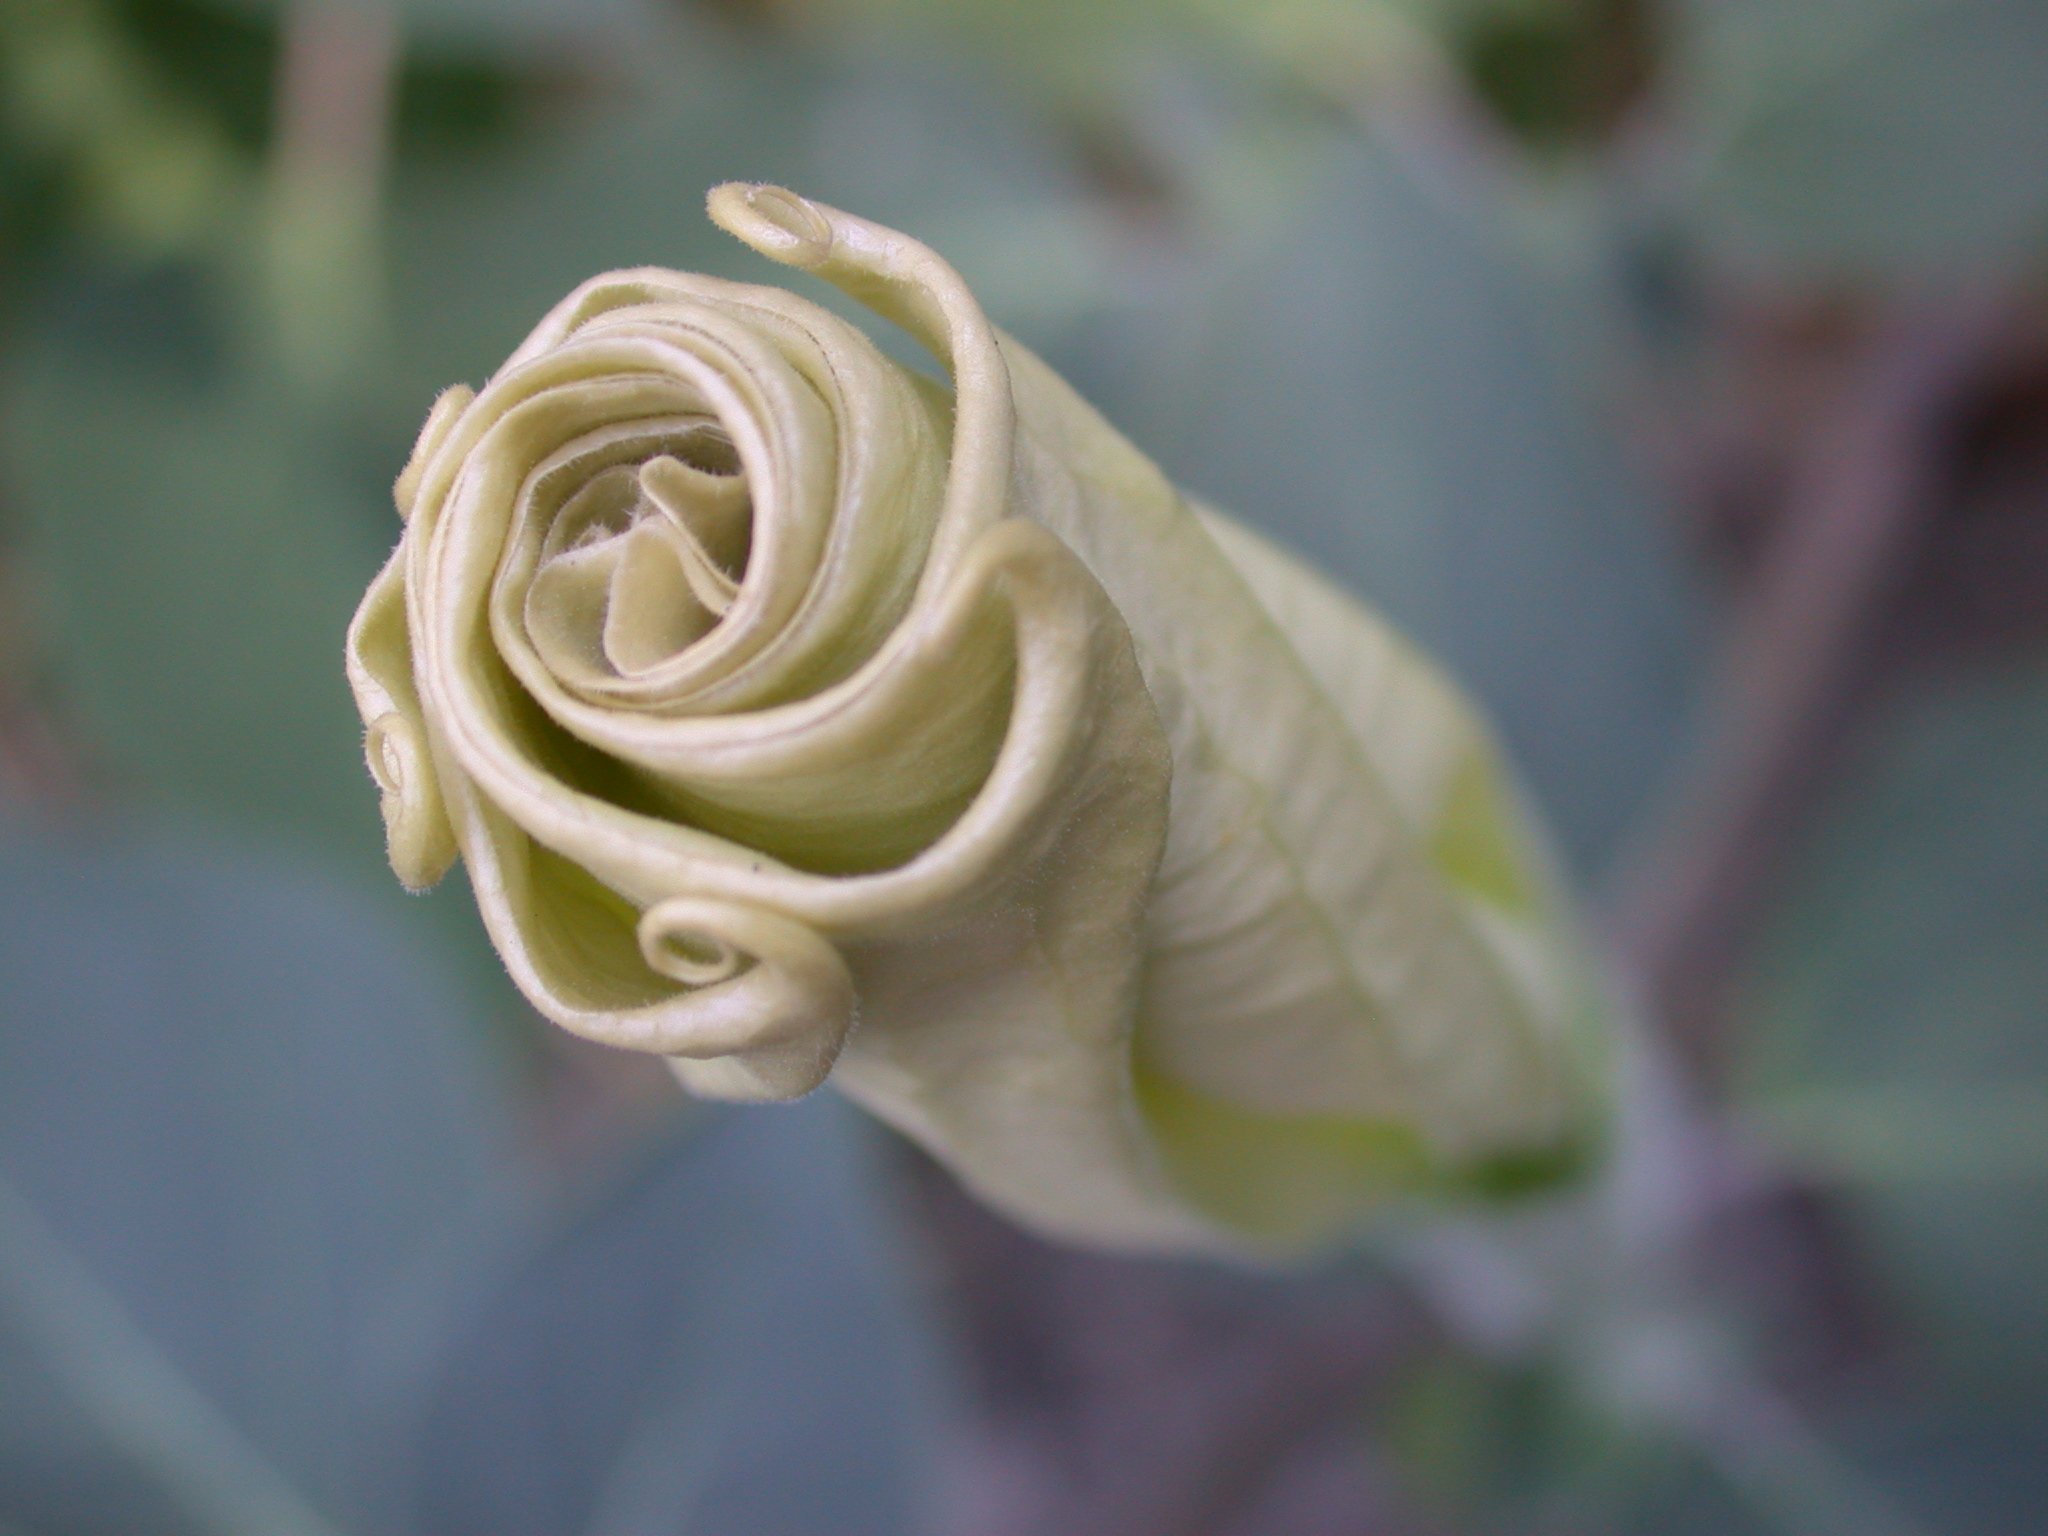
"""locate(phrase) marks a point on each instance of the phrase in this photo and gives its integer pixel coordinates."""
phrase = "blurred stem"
(40, 765)
(322, 245)
(1143, 1397)
(84, 1338)
(1861, 491)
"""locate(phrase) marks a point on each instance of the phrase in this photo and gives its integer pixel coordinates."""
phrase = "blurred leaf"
(238, 1107)
(472, 23)
(1893, 1024)
(1978, 1465)
(212, 55)
(1909, 961)
(1883, 136)
(482, 251)
(1557, 73)
(206, 546)
(714, 1342)
(454, 93)
(81, 103)
(1374, 382)
(1496, 1448)
(97, 1362)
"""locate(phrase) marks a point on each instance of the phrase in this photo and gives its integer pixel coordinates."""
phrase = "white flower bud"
(795, 716)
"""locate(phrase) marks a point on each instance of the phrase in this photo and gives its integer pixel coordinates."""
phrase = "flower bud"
(797, 716)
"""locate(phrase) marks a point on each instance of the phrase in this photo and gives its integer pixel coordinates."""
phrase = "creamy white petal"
(796, 716)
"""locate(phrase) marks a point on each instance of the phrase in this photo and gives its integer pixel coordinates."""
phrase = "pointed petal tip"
(773, 220)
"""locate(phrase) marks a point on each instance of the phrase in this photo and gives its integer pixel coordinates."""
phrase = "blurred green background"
(1533, 321)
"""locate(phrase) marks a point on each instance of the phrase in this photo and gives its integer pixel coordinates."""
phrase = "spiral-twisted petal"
(770, 690)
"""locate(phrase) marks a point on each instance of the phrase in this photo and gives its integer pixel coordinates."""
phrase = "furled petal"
(796, 716)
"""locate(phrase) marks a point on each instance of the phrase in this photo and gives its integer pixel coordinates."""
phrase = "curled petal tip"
(419, 839)
(450, 404)
(773, 220)
(682, 949)
(771, 1000)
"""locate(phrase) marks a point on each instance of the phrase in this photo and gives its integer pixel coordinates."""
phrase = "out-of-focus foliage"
(202, 570)
(97, 136)
(1558, 71)
(1901, 137)
(265, 1269)
(203, 1113)
(715, 1338)
(1897, 1014)
(137, 126)
(1895, 1044)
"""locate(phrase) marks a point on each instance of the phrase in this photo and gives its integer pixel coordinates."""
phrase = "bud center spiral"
(644, 558)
